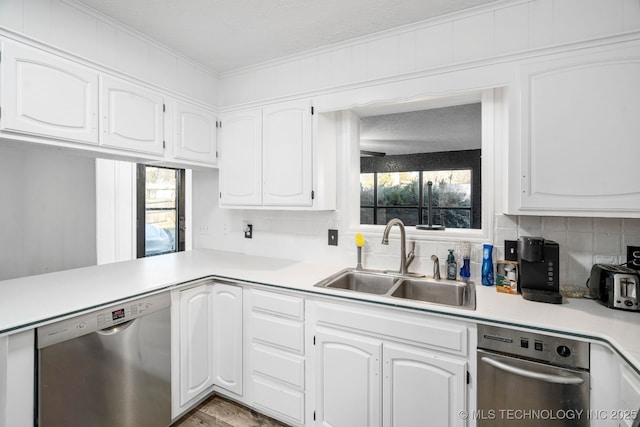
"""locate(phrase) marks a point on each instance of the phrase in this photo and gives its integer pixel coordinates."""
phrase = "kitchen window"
(160, 210)
(386, 193)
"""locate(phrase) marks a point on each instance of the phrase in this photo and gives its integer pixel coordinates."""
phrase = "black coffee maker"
(538, 263)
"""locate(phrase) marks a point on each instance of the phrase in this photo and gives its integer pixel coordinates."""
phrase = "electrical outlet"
(333, 237)
(248, 231)
(633, 257)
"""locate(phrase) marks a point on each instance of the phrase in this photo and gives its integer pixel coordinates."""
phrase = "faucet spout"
(403, 242)
(436, 267)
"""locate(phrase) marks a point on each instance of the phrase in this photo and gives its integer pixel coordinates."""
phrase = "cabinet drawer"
(277, 400)
(283, 305)
(276, 364)
(287, 334)
(416, 329)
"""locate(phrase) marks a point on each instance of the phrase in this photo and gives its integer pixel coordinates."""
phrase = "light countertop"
(31, 301)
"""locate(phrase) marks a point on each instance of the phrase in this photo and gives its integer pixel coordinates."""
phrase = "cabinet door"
(241, 159)
(196, 342)
(132, 117)
(227, 332)
(45, 95)
(421, 388)
(195, 134)
(348, 379)
(287, 154)
(580, 132)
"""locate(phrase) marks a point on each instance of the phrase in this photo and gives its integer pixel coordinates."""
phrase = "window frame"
(141, 208)
(427, 162)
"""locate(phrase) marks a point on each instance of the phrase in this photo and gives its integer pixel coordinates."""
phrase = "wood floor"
(220, 412)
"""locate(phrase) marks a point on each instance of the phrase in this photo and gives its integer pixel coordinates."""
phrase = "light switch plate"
(333, 237)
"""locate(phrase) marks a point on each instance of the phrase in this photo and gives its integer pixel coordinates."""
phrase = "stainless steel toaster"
(615, 286)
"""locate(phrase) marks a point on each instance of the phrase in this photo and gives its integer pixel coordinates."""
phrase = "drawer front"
(278, 365)
(279, 332)
(282, 402)
(275, 303)
(416, 329)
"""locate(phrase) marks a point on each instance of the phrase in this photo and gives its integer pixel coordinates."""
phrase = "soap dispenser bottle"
(452, 266)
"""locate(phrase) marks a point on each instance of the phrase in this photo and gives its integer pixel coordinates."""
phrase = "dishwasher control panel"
(100, 319)
(532, 345)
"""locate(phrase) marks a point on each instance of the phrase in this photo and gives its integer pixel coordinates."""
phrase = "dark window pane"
(409, 216)
(366, 215)
(366, 191)
(450, 218)
(398, 189)
(451, 188)
(160, 210)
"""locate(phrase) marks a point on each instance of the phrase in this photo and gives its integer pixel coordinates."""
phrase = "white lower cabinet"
(379, 368)
(615, 389)
(348, 389)
(208, 323)
(196, 342)
(277, 355)
(227, 337)
(421, 388)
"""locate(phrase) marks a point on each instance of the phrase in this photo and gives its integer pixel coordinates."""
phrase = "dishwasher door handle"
(112, 330)
(556, 379)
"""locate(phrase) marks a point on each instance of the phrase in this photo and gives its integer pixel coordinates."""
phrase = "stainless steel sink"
(370, 282)
(434, 291)
(448, 292)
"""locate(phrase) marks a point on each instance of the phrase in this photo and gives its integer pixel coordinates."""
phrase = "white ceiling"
(225, 35)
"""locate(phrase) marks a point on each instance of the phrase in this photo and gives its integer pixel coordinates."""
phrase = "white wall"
(461, 52)
(502, 32)
(76, 29)
(48, 213)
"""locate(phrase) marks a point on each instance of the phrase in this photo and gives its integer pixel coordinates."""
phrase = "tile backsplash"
(303, 235)
(583, 241)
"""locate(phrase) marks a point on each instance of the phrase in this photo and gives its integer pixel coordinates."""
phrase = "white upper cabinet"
(45, 95)
(132, 117)
(241, 159)
(195, 134)
(286, 156)
(281, 156)
(579, 146)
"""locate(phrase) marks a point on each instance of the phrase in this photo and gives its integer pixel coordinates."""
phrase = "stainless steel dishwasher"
(531, 379)
(111, 367)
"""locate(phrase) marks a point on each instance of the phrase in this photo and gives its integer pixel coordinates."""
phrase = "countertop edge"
(299, 277)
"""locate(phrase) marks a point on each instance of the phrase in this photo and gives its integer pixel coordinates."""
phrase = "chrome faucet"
(436, 267)
(404, 261)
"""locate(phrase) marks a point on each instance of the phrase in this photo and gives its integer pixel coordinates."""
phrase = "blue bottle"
(487, 265)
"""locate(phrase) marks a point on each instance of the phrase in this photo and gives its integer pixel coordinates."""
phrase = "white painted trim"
(101, 68)
(115, 211)
(466, 13)
(492, 120)
(188, 207)
(120, 26)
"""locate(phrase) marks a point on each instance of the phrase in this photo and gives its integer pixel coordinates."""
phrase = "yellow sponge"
(359, 240)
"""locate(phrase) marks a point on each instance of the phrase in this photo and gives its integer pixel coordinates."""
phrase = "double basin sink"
(436, 291)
